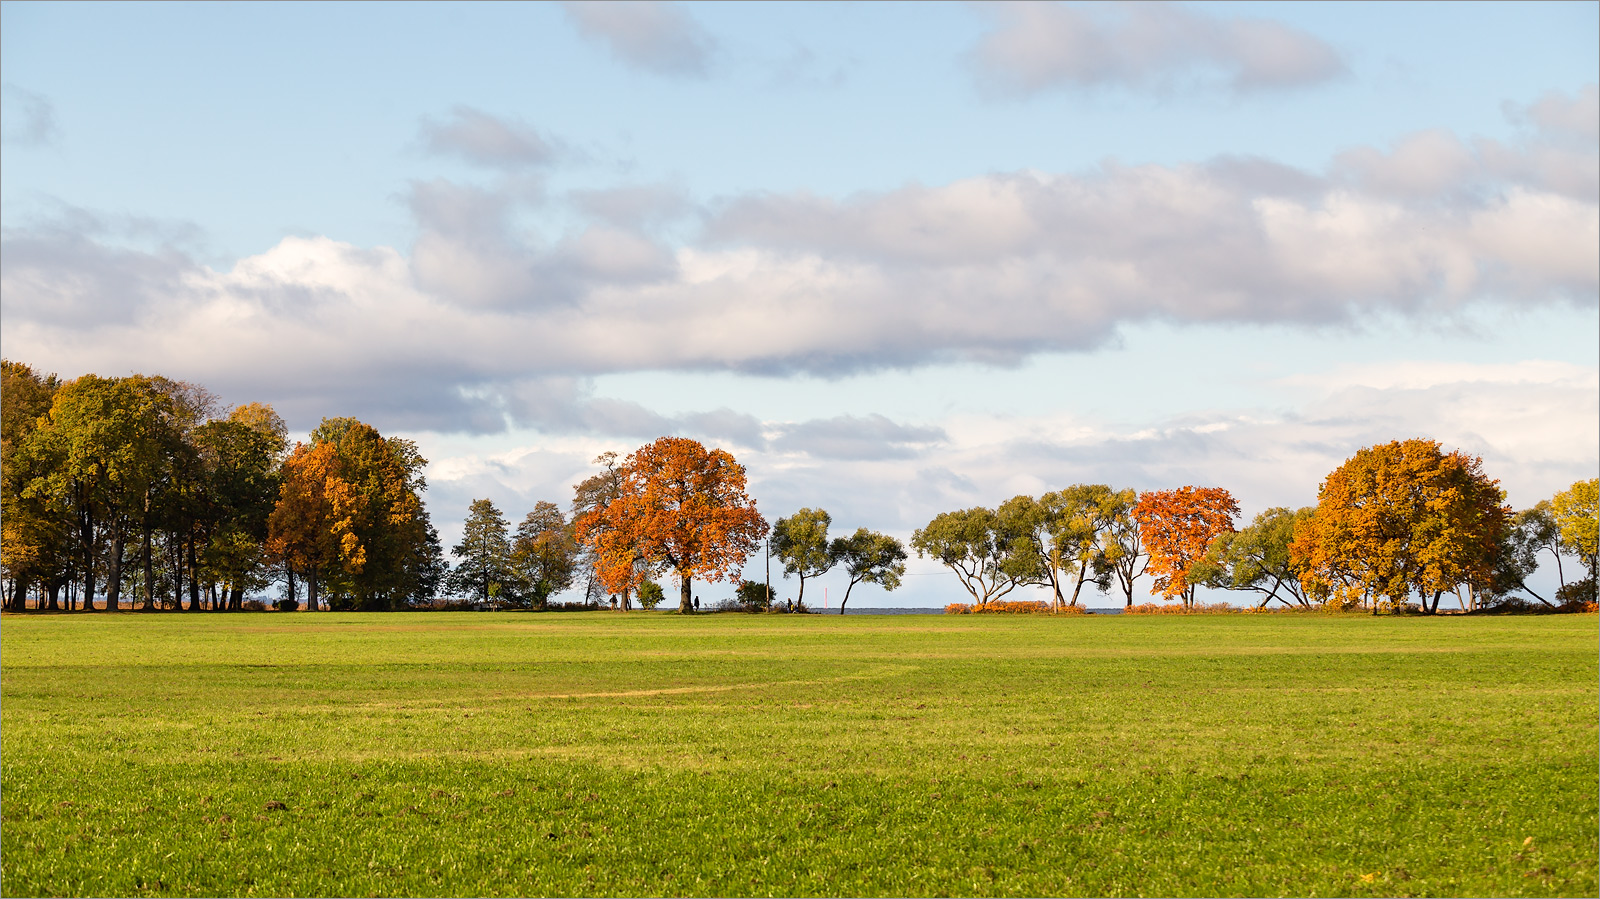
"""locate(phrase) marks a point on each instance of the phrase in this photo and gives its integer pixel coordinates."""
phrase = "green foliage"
(544, 555)
(1577, 516)
(501, 754)
(800, 542)
(651, 594)
(980, 547)
(754, 596)
(871, 558)
(485, 554)
(1257, 559)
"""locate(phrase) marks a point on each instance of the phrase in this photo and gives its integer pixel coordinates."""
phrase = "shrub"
(650, 594)
(286, 605)
(1157, 608)
(754, 596)
(254, 605)
(1017, 607)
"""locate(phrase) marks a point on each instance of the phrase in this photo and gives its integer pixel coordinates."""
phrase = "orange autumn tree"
(678, 506)
(1176, 527)
(1401, 518)
(305, 532)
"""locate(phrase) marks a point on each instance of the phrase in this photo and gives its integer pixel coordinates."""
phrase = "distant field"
(595, 753)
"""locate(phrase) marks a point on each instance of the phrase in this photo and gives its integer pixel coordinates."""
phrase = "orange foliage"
(1011, 607)
(1159, 608)
(678, 506)
(1176, 527)
(1397, 519)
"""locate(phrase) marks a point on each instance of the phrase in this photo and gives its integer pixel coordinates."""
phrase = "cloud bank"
(481, 316)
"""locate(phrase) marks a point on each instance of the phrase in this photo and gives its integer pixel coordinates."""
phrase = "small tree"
(869, 557)
(754, 596)
(1577, 518)
(651, 594)
(801, 543)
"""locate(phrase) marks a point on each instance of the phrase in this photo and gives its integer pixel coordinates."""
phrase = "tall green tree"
(35, 543)
(800, 542)
(485, 553)
(544, 554)
(869, 557)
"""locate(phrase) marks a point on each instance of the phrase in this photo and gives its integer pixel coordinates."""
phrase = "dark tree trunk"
(236, 599)
(91, 548)
(194, 574)
(148, 564)
(114, 575)
(292, 597)
(311, 589)
(685, 603)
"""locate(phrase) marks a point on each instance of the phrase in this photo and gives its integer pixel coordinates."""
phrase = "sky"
(899, 259)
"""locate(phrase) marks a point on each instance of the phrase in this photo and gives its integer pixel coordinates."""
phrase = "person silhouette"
(697, 603)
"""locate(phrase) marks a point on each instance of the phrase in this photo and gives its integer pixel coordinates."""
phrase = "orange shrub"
(1156, 608)
(1020, 607)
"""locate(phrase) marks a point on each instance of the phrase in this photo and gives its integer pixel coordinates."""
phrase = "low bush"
(1015, 607)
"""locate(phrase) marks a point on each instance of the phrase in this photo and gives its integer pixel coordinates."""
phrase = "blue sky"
(898, 258)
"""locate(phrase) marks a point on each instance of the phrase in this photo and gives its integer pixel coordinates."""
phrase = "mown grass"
(577, 754)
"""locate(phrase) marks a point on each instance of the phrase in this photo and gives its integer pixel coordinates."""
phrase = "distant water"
(870, 610)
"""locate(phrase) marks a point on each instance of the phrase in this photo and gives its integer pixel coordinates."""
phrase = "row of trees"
(1395, 523)
(142, 487)
(144, 481)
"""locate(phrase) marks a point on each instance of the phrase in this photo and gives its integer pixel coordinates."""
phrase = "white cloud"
(654, 36)
(1038, 46)
(987, 269)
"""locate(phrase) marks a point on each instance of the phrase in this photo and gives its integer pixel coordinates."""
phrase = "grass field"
(595, 753)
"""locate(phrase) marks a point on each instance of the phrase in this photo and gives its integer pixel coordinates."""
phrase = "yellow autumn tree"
(1401, 519)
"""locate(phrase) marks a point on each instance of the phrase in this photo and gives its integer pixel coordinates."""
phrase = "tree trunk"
(1083, 569)
(148, 564)
(292, 596)
(194, 575)
(91, 548)
(114, 575)
(53, 590)
(236, 599)
(685, 604)
(311, 589)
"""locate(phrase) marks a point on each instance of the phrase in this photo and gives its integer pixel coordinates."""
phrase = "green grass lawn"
(596, 753)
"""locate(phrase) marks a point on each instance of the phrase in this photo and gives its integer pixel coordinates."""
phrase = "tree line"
(1399, 525)
(142, 488)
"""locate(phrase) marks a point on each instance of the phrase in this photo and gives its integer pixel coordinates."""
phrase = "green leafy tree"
(871, 558)
(973, 544)
(485, 553)
(544, 554)
(1256, 559)
(1124, 545)
(801, 543)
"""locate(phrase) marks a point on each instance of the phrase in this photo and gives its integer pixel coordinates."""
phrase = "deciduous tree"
(1176, 527)
(544, 553)
(869, 557)
(973, 544)
(1256, 559)
(801, 543)
(1401, 518)
(681, 507)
